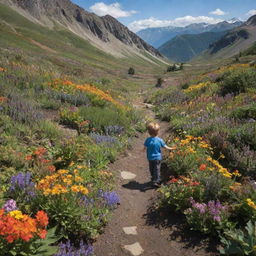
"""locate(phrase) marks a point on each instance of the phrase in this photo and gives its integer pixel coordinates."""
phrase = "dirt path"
(147, 234)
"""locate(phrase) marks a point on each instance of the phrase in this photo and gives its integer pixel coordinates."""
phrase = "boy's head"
(153, 129)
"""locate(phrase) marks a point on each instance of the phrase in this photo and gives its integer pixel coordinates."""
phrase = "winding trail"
(134, 228)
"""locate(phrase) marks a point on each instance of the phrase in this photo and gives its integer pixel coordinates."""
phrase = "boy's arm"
(169, 148)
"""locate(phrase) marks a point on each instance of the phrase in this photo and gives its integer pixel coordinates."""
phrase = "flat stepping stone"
(135, 249)
(128, 175)
(130, 230)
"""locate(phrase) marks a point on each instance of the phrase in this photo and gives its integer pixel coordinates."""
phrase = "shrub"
(178, 191)
(245, 112)
(131, 71)
(159, 82)
(238, 81)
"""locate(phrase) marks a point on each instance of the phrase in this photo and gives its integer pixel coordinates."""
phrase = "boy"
(153, 145)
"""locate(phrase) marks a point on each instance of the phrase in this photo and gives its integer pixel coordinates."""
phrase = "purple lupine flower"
(104, 139)
(68, 249)
(10, 205)
(111, 198)
(114, 130)
(22, 183)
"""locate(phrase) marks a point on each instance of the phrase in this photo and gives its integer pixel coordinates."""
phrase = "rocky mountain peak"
(251, 21)
(72, 16)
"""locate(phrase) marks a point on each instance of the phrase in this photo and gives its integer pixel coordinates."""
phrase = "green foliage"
(240, 242)
(245, 112)
(239, 81)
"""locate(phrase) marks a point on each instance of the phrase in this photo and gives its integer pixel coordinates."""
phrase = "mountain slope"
(62, 51)
(159, 36)
(184, 47)
(237, 40)
(105, 32)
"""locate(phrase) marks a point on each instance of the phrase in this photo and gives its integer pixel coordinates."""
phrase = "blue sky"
(139, 14)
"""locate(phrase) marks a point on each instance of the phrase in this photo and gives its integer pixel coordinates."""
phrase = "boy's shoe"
(156, 185)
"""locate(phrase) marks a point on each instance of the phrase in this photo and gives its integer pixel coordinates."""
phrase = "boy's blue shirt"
(154, 145)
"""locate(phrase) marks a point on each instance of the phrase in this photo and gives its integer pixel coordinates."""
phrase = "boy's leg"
(156, 166)
(151, 169)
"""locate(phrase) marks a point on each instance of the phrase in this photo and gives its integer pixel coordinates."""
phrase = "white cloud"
(114, 10)
(218, 12)
(251, 12)
(178, 22)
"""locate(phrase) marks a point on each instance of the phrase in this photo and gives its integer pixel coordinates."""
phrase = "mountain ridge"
(105, 32)
(159, 36)
(235, 41)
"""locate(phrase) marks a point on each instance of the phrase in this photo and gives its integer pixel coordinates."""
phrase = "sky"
(141, 14)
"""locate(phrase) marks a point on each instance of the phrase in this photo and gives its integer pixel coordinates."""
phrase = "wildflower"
(10, 205)
(251, 203)
(75, 189)
(236, 173)
(16, 214)
(62, 171)
(173, 180)
(111, 198)
(217, 218)
(42, 219)
(202, 167)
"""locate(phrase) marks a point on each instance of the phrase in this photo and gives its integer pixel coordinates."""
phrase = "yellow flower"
(47, 191)
(16, 214)
(75, 188)
(67, 181)
(78, 179)
(251, 203)
(83, 190)
(71, 164)
(236, 173)
(63, 171)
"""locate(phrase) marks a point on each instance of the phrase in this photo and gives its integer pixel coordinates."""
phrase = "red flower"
(29, 157)
(202, 167)
(174, 180)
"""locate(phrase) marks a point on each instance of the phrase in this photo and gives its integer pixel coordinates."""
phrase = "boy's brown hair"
(153, 129)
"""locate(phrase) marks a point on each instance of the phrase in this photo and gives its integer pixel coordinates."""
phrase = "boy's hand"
(170, 148)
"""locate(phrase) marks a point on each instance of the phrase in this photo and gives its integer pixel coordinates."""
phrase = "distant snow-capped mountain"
(158, 36)
(234, 20)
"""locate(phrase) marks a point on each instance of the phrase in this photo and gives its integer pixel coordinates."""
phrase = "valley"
(77, 91)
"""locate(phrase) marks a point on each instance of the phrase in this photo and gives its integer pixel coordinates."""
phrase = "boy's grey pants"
(154, 168)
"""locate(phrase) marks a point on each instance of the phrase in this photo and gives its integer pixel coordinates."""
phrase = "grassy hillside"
(65, 51)
(184, 47)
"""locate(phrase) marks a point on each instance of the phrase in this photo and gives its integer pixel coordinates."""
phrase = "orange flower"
(3, 99)
(202, 167)
(42, 234)
(51, 168)
(42, 218)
